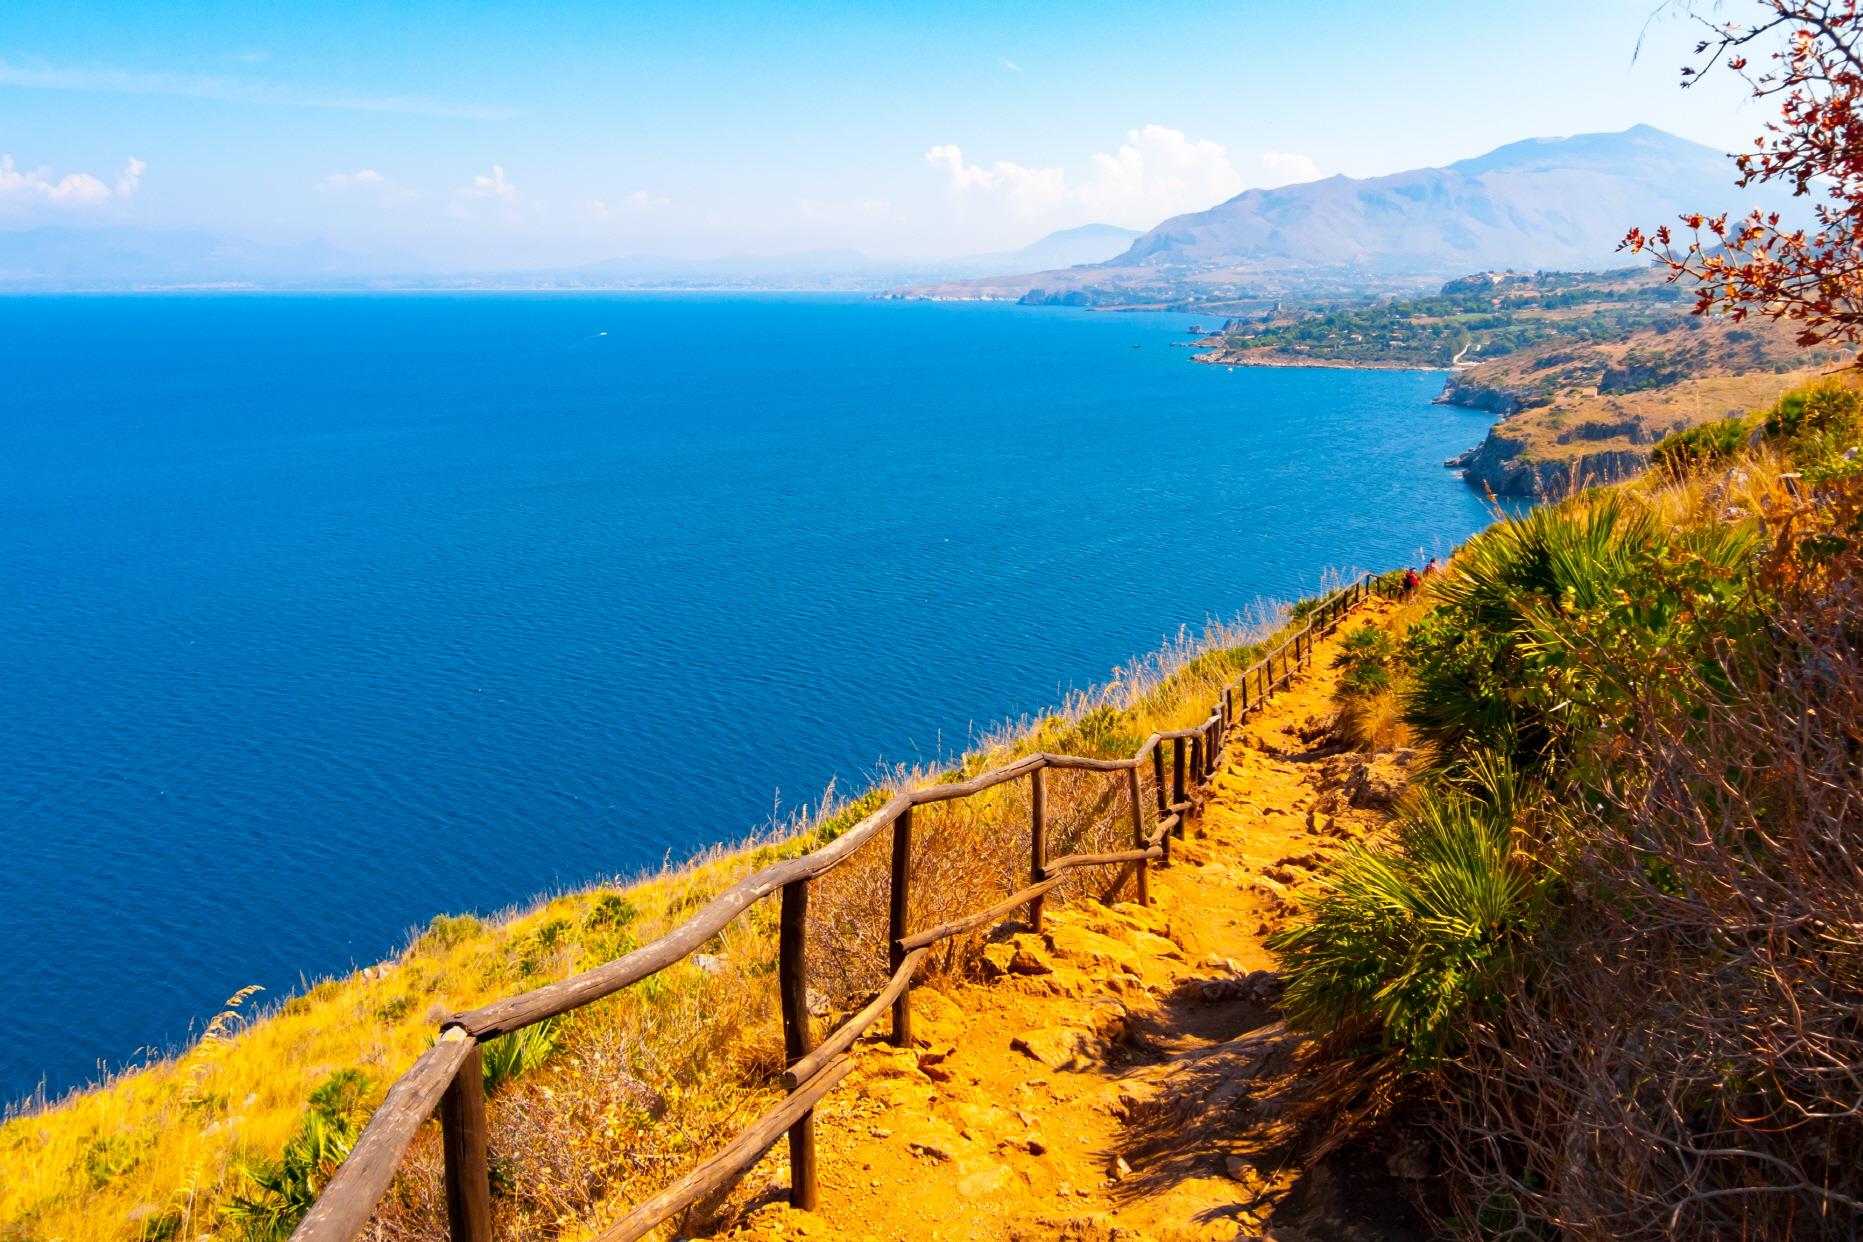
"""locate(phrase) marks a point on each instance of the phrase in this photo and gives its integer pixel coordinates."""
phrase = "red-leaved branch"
(1811, 277)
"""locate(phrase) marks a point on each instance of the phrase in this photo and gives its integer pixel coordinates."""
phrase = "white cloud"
(1008, 64)
(1157, 172)
(1287, 168)
(640, 200)
(369, 182)
(494, 186)
(1028, 191)
(75, 189)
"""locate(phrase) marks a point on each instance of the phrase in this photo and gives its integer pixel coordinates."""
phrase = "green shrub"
(1706, 445)
(1367, 657)
(281, 1191)
(1820, 409)
(447, 931)
(519, 1052)
(1549, 624)
(395, 1008)
(1405, 944)
(1104, 732)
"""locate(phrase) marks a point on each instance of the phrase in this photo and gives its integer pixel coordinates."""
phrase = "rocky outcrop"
(1471, 395)
(1501, 464)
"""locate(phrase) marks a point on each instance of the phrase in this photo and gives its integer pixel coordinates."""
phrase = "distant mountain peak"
(1560, 203)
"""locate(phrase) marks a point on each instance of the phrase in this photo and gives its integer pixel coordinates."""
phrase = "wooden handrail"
(843, 1036)
(348, 1200)
(738, 1155)
(932, 935)
(346, 1204)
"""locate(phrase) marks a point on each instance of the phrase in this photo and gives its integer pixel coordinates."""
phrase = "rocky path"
(1121, 1074)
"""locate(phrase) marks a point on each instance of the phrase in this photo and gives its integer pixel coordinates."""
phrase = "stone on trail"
(984, 1121)
(936, 1018)
(1077, 944)
(996, 959)
(1157, 946)
(982, 1181)
(1062, 1047)
(1030, 956)
(933, 1138)
(934, 1061)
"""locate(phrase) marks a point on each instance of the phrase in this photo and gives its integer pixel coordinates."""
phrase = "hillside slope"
(1573, 411)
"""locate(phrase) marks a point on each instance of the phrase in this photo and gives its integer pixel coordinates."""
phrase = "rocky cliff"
(1573, 414)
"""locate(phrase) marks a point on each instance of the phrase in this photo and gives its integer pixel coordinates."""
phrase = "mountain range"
(1541, 204)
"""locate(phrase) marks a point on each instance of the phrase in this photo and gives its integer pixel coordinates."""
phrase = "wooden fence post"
(896, 924)
(1180, 751)
(793, 985)
(462, 1137)
(1157, 784)
(1196, 758)
(1139, 836)
(1038, 840)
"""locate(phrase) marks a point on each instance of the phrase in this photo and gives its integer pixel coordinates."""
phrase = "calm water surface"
(324, 615)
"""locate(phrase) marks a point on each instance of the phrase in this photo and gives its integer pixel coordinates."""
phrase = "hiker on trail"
(1430, 568)
(1410, 582)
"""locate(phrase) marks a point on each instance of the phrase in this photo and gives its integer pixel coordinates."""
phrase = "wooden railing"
(448, 1076)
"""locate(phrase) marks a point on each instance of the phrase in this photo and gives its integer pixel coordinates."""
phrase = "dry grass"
(1373, 722)
(643, 1084)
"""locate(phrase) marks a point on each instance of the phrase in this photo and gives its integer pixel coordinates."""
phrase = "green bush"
(1820, 409)
(1367, 657)
(1405, 944)
(449, 930)
(281, 1191)
(1707, 445)
(519, 1052)
(1549, 624)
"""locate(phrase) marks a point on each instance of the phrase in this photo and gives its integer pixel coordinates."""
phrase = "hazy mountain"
(1546, 203)
(126, 258)
(129, 258)
(1090, 243)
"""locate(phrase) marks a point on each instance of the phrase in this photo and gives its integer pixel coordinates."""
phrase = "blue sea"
(327, 614)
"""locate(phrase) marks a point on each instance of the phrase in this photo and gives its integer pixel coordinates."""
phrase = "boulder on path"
(1069, 1048)
(1077, 944)
(1367, 781)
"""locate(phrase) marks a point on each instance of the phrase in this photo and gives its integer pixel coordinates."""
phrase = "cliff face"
(1575, 413)
(1505, 465)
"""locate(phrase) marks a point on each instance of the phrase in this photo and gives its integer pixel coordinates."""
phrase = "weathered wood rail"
(448, 1078)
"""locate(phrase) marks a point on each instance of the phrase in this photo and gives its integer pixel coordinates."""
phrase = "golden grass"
(643, 1084)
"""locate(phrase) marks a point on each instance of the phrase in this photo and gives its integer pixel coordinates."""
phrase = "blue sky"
(493, 135)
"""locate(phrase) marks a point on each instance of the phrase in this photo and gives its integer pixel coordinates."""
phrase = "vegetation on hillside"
(1612, 955)
(1612, 945)
(1470, 319)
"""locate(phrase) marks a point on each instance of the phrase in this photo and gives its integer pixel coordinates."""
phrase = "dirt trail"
(1120, 1076)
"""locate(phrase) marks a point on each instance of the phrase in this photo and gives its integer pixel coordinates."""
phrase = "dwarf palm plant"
(1406, 941)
